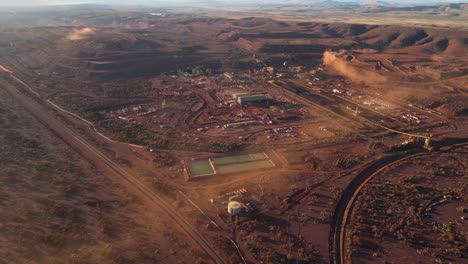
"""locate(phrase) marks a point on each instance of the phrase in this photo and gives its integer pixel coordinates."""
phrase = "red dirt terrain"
(420, 60)
(412, 208)
(333, 104)
(58, 208)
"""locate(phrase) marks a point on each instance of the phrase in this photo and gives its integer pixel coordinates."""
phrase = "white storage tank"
(234, 208)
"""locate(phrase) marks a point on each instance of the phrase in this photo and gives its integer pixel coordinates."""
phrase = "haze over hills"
(233, 131)
(225, 2)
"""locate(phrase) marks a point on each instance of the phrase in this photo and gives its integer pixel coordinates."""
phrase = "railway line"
(343, 209)
(345, 204)
(90, 152)
(368, 116)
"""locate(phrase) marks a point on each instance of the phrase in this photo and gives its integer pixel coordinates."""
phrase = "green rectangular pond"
(200, 167)
(232, 159)
(245, 166)
(240, 158)
(258, 156)
(229, 164)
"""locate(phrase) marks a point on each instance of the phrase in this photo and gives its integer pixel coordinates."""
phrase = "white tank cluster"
(234, 208)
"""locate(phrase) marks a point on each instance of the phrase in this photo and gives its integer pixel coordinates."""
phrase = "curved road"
(346, 202)
(86, 149)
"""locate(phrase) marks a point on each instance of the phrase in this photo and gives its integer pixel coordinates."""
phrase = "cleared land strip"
(2, 68)
(90, 152)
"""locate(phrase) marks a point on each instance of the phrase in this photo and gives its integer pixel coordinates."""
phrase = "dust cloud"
(335, 60)
(79, 34)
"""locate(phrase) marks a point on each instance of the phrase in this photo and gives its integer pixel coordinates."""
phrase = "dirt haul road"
(93, 154)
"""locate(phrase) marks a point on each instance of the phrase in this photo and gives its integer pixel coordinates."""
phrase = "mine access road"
(88, 151)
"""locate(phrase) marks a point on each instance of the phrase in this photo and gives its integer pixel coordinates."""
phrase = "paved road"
(90, 152)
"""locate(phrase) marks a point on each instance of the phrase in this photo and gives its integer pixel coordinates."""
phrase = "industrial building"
(235, 96)
(243, 99)
(241, 124)
(230, 76)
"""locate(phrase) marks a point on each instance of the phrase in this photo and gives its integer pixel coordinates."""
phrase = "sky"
(156, 2)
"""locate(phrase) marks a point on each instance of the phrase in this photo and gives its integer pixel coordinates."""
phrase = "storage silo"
(234, 208)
